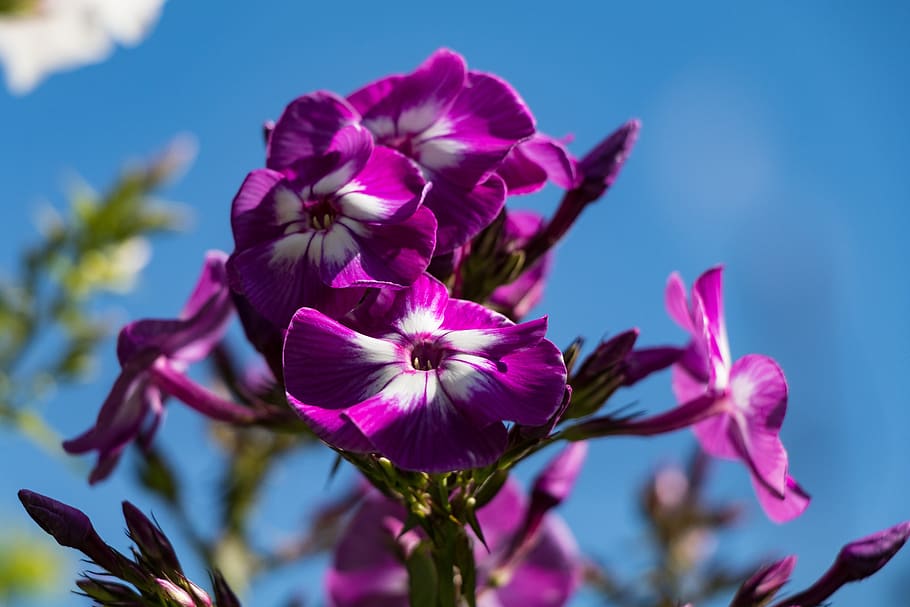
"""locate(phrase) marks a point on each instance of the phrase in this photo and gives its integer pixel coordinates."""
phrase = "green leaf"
(423, 579)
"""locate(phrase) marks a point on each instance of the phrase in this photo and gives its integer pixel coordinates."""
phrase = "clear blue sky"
(775, 139)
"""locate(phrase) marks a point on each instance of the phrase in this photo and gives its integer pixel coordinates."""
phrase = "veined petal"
(412, 103)
(709, 288)
(395, 254)
(307, 128)
(353, 145)
(525, 386)
(794, 502)
(262, 207)
(328, 365)
(365, 98)
(462, 213)
(278, 277)
(440, 438)
(676, 302)
(211, 283)
(495, 342)
(477, 132)
(389, 188)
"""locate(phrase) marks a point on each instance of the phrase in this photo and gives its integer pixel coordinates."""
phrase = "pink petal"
(676, 302)
(389, 188)
(709, 287)
(794, 503)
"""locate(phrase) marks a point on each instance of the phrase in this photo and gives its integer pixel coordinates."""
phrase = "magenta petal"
(495, 342)
(462, 314)
(486, 120)
(389, 188)
(794, 502)
(709, 288)
(529, 165)
(410, 104)
(440, 438)
(328, 368)
(463, 213)
(525, 386)
(254, 217)
(420, 308)
(365, 98)
(397, 254)
(307, 127)
(676, 302)
(211, 283)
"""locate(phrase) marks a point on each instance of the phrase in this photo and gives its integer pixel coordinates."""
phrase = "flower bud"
(224, 596)
(154, 546)
(764, 583)
(175, 593)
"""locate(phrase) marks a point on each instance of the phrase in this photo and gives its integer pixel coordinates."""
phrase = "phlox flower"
(367, 568)
(332, 211)
(425, 380)
(154, 355)
(458, 125)
(748, 397)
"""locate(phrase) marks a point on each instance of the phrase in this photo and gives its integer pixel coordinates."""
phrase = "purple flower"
(445, 373)
(153, 355)
(457, 125)
(518, 297)
(331, 214)
(367, 568)
(747, 398)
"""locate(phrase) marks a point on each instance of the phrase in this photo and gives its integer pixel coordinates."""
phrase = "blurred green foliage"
(50, 327)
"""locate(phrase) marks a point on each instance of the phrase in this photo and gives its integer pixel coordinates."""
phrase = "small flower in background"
(457, 125)
(154, 355)
(445, 373)
(368, 568)
(749, 396)
(44, 36)
(348, 215)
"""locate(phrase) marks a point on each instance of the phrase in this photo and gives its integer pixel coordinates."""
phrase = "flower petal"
(390, 188)
(440, 438)
(676, 302)
(307, 128)
(495, 342)
(463, 212)
(477, 132)
(525, 386)
(529, 164)
(709, 287)
(263, 207)
(328, 368)
(407, 105)
(794, 502)
(462, 314)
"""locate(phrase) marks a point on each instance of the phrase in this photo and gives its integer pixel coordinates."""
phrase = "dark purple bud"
(599, 168)
(856, 561)
(224, 596)
(175, 593)
(73, 529)
(764, 583)
(609, 354)
(69, 526)
(154, 546)
(596, 173)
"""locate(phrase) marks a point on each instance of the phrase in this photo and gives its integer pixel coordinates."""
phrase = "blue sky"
(774, 140)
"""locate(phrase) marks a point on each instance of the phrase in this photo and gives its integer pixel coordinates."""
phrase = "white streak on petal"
(440, 153)
(363, 207)
(374, 350)
(440, 128)
(461, 378)
(415, 119)
(380, 126)
(469, 340)
(332, 182)
(287, 207)
(419, 321)
(288, 251)
(337, 247)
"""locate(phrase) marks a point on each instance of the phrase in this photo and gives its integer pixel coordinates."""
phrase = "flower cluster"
(383, 280)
